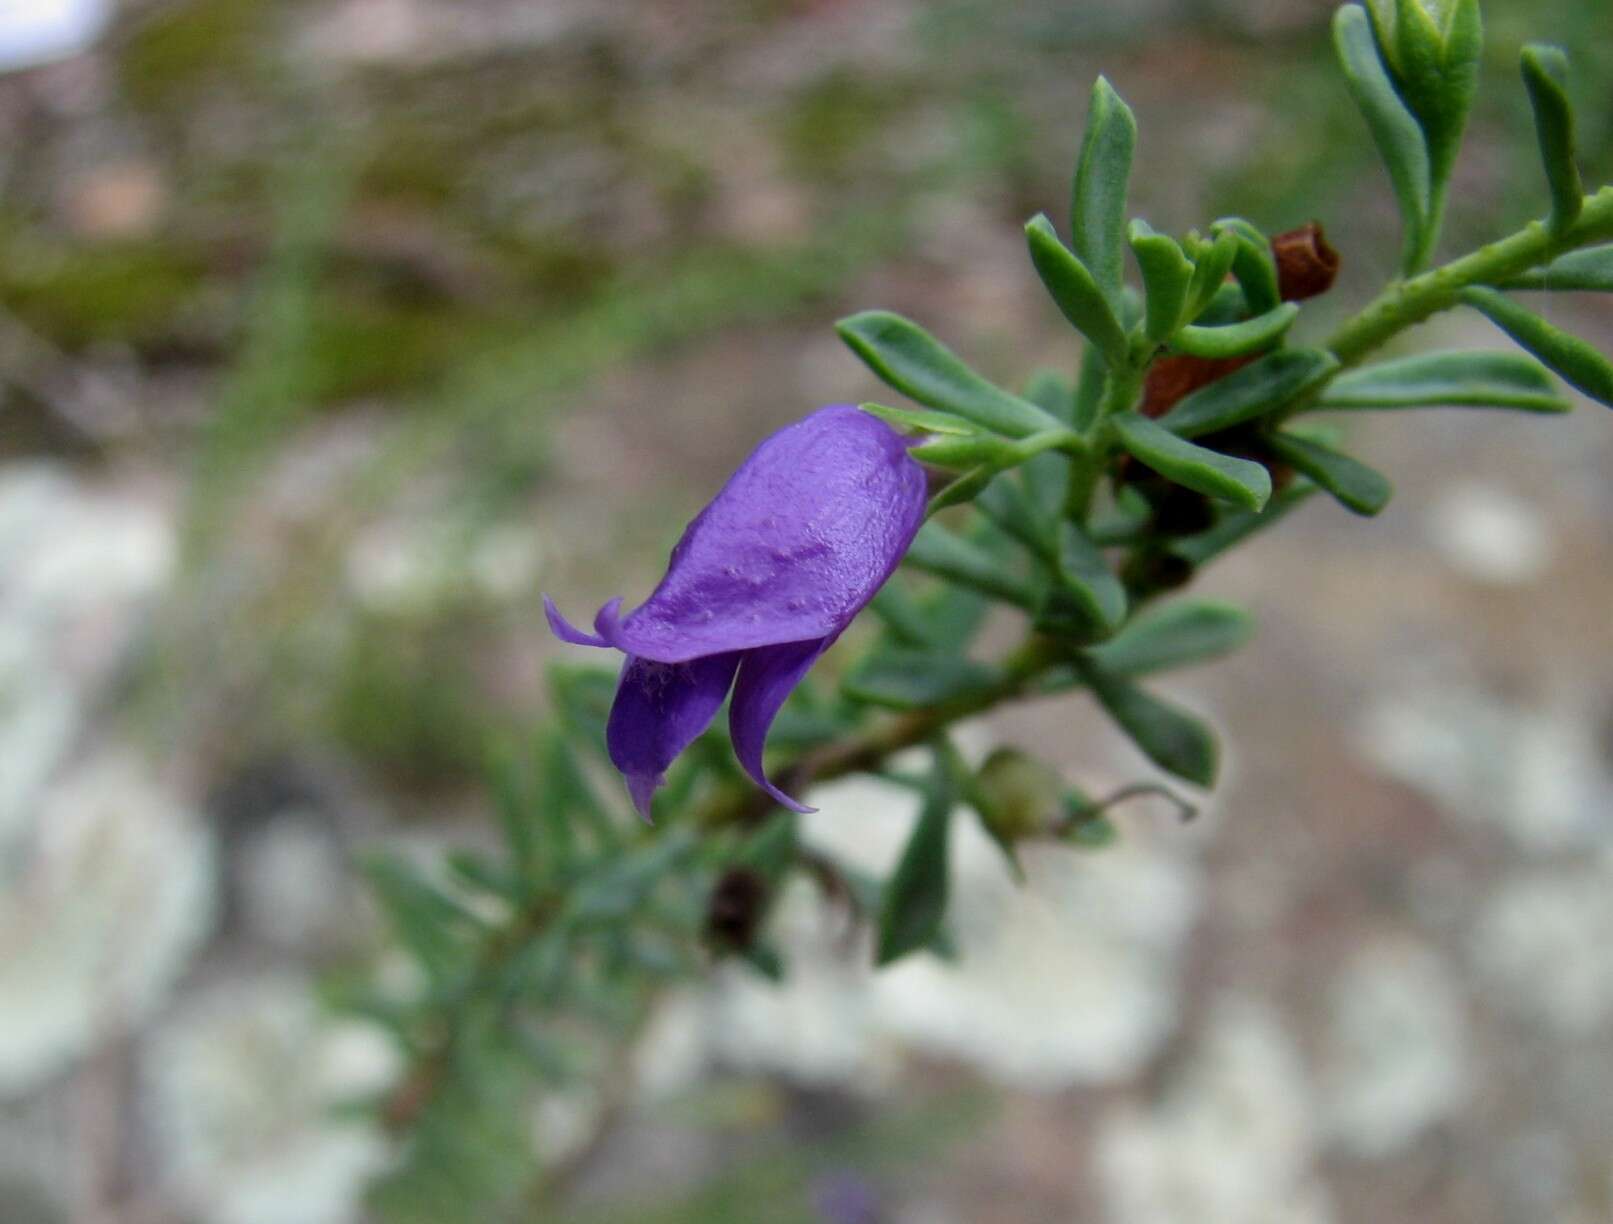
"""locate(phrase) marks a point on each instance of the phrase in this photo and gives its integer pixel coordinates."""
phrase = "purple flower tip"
(763, 581)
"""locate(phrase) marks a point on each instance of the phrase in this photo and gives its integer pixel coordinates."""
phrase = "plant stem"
(1120, 393)
(1406, 303)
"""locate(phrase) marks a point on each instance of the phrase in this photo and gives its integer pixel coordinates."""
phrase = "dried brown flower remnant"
(1306, 264)
(735, 908)
(1170, 379)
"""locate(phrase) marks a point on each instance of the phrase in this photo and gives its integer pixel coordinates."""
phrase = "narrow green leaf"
(1212, 263)
(1008, 504)
(926, 419)
(903, 679)
(1545, 74)
(1176, 635)
(1576, 362)
(1394, 129)
(915, 901)
(902, 615)
(1460, 379)
(1253, 264)
(1098, 197)
(567, 803)
(1352, 483)
(1254, 391)
(921, 367)
(1172, 738)
(770, 850)
(1075, 290)
(1051, 392)
(963, 453)
(1044, 476)
(517, 814)
(427, 922)
(1209, 472)
(954, 615)
(1089, 387)
(1167, 277)
(1587, 271)
(1237, 339)
(1237, 526)
(962, 490)
(1086, 574)
(937, 551)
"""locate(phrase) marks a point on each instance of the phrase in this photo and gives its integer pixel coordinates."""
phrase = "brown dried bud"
(1171, 379)
(735, 908)
(1306, 265)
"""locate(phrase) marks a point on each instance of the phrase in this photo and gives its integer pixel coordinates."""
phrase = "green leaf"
(1172, 738)
(1075, 290)
(567, 803)
(1237, 339)
(1355, 486)
(1587, 271)
(938, 551)
(1257, 389)
(1233, 528)
(1207, 471)
(1545, 74)
(1394, 129)
(1049, 391)
(961, 453)
(1459, 379)
(1253, 264)
(904, 679)
(1176, 635)
(921, 367)
(955, 614)
(925, 419)
(964, 489)
(1085, 574)
(1167, 277)
(1576, 362)
(517, 814)
(1089, 387)
(428, 923)
(1006, 503)
(1212, 263)
(770, 850)
(915, 901)
(1098, 197)
(903, 616)
(1044, 476)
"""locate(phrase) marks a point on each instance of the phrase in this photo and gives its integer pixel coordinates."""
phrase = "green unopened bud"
(1432, 49)
(1018, 796)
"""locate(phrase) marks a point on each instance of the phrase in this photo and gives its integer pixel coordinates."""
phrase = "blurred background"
(332, 332)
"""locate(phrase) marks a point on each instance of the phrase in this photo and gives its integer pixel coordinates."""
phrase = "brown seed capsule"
(1306, 265)
(735, 908)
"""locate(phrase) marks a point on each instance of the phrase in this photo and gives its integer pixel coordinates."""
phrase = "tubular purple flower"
(763, 581)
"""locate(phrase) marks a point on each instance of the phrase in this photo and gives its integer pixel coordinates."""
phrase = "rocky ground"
(330, 332)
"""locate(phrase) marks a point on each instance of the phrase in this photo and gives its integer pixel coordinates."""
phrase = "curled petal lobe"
(567, 632)
(660, 709)
(797, 541)
(767, 676)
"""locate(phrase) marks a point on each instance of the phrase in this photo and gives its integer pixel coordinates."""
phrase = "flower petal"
(767, 676)
(799, 539)
(660, 709)
(567, 632)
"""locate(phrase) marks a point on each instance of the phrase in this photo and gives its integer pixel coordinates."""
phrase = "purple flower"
(762, 583)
